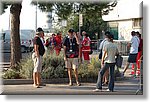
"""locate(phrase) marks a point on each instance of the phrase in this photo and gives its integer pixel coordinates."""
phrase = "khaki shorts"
(72, 63)
(37, 63)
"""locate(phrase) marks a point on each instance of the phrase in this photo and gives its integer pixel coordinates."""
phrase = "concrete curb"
(53, 81)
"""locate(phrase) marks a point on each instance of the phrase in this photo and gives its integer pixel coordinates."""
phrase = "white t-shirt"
(134, 45)
(111, 50)
(103, 43)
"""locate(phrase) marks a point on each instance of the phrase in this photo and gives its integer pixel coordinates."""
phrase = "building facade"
(125, 17)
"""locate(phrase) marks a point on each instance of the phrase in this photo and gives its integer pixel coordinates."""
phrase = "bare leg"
(34, 78)
(106, 76)
(76, 76)
(38, 78)
(135, 68)
(126, 67)
(70, 76)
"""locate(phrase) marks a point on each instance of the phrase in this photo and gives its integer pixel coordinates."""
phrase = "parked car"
(26, 37)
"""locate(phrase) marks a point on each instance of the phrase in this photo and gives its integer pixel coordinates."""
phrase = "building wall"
(125, 28)
(124, 15)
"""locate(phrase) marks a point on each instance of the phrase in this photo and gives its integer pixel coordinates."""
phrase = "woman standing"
(108, 61)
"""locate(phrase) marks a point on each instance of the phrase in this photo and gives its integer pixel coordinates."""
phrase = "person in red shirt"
(58, 46)
(86, 48)
(140, 50)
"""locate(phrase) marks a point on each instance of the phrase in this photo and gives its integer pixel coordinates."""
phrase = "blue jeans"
(111, 67)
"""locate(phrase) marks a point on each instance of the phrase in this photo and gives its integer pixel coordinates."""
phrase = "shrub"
(53, 67)
(89, 70)
(11, 74)
(26, 68)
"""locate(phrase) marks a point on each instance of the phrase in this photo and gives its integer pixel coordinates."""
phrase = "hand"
(102, 65)
(65, 59)
(74, 33)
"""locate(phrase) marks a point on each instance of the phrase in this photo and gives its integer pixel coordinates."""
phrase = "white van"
(26, 39)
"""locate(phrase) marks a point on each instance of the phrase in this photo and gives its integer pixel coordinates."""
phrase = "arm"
(65, 58)
(103, 58)
(64, 46)
(36, 50)
(76, 38)
(129, 45)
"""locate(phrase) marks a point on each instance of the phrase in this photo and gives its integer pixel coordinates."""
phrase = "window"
(137, 23)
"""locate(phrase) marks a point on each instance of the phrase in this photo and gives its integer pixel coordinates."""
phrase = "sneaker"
(97, 90)
(122, 75)
(109, 90)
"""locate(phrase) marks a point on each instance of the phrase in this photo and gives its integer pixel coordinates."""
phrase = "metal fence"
(121, 44)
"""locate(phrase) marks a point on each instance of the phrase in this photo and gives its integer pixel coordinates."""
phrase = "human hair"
(133, 33)
(86, 35)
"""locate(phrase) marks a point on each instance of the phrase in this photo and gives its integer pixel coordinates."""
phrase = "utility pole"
(36, 15)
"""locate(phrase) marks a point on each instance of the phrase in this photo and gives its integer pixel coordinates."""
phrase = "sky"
(27, 17)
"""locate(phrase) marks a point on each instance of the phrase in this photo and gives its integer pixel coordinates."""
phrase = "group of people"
(54, 43)
(136, 50)
(75, 46)
(109, 51)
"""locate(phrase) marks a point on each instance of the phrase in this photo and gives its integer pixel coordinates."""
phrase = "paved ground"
(128, 86)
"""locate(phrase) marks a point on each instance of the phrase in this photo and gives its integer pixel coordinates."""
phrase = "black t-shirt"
(37, 41)
(71, 47)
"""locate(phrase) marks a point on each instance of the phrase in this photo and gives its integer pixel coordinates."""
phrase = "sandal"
(78, 84)
(70, 84)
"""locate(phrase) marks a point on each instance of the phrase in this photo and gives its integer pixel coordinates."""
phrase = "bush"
(89, 70)
(11, 74)
(53, 67)
(26, 68)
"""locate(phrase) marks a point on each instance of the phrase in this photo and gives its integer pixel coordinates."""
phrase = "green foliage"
(26, 68)
(11, 74)
(92, 15)
(53, 66)
(89, 70)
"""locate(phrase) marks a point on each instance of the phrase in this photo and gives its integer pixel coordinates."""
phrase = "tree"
(92, 14)
(15, 11)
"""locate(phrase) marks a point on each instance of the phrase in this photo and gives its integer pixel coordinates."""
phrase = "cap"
(39, 30)
(70, 30)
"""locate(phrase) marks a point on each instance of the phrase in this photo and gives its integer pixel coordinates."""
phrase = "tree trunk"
(15, 11)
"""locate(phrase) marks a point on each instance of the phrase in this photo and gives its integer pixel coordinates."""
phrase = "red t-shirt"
(58, 41)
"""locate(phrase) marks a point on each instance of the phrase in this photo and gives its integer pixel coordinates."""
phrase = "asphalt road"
(121, 88)
(6, 56)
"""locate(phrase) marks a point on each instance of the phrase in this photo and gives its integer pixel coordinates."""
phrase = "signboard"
(80, 20)
(64, 23)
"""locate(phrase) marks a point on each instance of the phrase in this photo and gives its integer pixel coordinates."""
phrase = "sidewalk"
(127, 86)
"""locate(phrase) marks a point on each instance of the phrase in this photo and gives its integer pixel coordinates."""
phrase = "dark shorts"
(132, 58)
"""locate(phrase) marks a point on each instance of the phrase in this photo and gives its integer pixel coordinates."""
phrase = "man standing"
(71, 54)
(108, 61)
(134, 44)
(37, 57)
